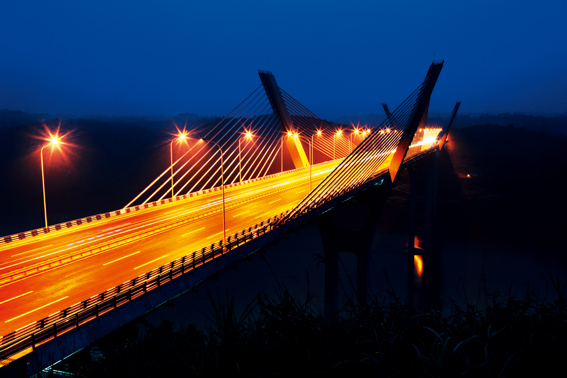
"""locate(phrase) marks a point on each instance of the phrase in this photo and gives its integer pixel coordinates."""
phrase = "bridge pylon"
(279, 108)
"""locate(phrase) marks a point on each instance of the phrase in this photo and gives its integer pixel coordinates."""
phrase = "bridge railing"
(103, 216)
(43, 330)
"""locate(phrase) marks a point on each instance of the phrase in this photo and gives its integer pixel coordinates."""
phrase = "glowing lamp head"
(248, 134)
(182, 136)
(319, 132)
(54, 140)
(339, 132)
(289, 133)
(295, 135)
(356, 131)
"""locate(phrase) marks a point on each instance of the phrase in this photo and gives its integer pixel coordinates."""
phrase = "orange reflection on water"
(418, 263)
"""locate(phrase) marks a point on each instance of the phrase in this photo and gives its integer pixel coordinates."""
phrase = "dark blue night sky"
(337, 58)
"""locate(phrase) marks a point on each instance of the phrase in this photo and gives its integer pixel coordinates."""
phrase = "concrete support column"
(423, 263)
(349, 228)
(362, 275)
(331, 282)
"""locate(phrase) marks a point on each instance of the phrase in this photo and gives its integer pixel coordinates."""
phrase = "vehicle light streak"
(247, 211)
(149, 262)
(274, 201)
(25, 257)
(145, 224)
(113, 227)
(37, 309)
(218, 233)
(323, 172)
(123, 257)
(16, 297)
(31, 250)
(199, 229)
(260, 216)
(178, 215)
(101, 222)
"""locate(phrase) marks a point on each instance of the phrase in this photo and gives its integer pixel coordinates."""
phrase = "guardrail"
(93, 218)
(341, 191)
(44, 265)
(62, 321)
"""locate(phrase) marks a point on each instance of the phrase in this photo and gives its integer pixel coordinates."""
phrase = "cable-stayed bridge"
(233, 188)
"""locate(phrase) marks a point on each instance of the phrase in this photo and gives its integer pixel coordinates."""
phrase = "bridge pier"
(349, 228)
(423, 263)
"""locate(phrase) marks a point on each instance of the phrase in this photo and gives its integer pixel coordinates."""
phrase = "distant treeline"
(556, 125)
(15, 118)
(550, 124)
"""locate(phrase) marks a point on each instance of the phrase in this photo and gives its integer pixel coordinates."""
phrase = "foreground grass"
(283, 338)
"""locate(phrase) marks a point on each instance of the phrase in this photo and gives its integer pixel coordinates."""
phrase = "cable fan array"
(374, 154)
(250, 139)
(310, 125)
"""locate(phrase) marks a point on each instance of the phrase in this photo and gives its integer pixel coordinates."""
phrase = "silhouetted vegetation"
(284, 338)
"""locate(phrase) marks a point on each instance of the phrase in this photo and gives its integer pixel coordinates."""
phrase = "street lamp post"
(310, 165)
(249, 136)
(355, 131)
(281, 153)
(239, 161)
(52, 141)
(223, 200)
(289, 133)
(180, 137)
(334, 143)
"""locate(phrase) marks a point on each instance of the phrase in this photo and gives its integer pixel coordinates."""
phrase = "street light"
(310, 165)
(223, 201)
(289, 134)
(180, 138)
(249, 136)
(335, 142)
(355, 131)
(53, 141)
